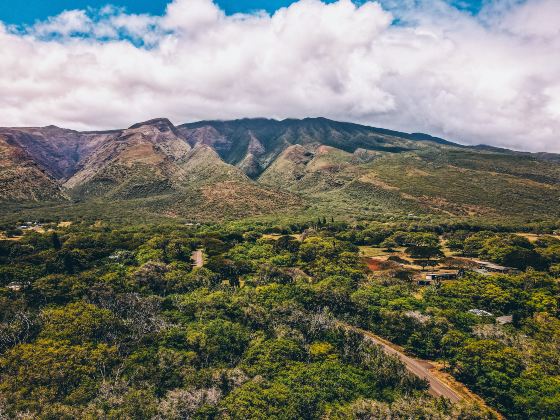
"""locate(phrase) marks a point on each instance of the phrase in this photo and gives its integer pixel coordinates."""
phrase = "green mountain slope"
(266, 139)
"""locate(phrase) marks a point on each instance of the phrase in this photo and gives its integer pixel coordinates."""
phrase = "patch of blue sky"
(26, 12)
(472, 6)
(18, 12)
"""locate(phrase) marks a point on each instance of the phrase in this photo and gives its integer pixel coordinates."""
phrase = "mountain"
(21, 178)
(260, 141)
(57, 150)
(230, 169)
(365, 170)
(139, 161)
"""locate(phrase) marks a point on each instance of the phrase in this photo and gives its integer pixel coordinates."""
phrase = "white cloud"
(492, 78)
(69, 22)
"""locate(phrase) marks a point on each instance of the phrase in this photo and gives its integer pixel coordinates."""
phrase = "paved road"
(197, 258)
(419, 368)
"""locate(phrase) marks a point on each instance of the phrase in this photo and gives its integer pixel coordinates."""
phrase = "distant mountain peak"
(162, 124)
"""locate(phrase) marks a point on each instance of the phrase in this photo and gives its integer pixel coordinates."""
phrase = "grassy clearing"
(376, 252)
(275, 236)
(533, 237)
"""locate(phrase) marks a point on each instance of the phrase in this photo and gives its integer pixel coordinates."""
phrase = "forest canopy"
(115, 321)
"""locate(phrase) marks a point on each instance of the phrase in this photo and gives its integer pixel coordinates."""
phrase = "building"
(480, 312)
(15, 286)
(485, 267)
(506, 319)
(442, 276)
(437, 277)
(424, 282)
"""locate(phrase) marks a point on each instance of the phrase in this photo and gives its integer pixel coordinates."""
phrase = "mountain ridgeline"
(232, 169)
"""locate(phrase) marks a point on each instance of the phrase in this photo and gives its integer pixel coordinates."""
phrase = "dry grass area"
(234, 199)
(378, 256)
(38, 229)
(372, 178)
(446, 251)
(377, 259)
(141, 153)
(379, 264)
(64, 224)
(13, 238)
(376, 252)
(275, 236)
(534, 237)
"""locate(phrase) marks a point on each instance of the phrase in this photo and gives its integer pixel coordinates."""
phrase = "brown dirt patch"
(143, 153)
(371, 178)
(376, 264)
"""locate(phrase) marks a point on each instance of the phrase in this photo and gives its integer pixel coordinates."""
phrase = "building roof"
(493, 266)
(480, 312)
(506, 319)
(436, 273)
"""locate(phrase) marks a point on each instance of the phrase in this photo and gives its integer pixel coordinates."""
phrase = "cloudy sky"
(469, 71)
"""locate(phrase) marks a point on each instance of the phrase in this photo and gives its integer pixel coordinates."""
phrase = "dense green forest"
(111, 320)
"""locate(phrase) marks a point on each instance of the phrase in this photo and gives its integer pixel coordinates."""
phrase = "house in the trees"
(485, 267)
(505, 319)
(437, 277)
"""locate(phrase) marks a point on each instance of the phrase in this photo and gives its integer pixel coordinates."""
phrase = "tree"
(537, 396)
(56, 288)
(389, 245)
(56, 241)
(135, 404)
(150, 278)
(269, 357)
(50, 371)
(287, 243)
(491, 368)
(333, 292)
(179, 250)
(512, 251)
(80, 322)
(216, 342)
(227, 269)
(422, 252)
(180, 404)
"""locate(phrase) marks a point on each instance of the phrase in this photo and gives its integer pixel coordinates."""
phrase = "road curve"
(197, 258)
(438, 388)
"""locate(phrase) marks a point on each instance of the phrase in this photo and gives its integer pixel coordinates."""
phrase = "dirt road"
(419, 368)
(197, 258)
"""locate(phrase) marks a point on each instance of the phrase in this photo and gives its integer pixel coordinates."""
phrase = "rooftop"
(493, 266)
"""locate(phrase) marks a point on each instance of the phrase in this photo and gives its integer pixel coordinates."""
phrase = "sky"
(28, 11)
(471, 71)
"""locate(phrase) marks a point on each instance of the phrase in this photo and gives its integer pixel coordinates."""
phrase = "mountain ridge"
(334, 166)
